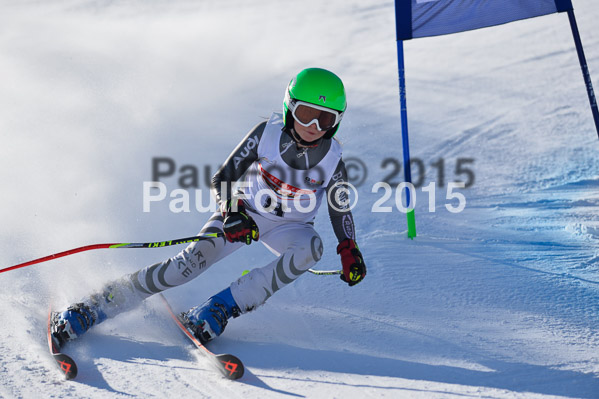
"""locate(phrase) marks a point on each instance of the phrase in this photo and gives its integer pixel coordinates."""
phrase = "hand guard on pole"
(354, 269)
(238, 226)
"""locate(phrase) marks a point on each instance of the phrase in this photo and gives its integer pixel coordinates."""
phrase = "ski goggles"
(306, 114)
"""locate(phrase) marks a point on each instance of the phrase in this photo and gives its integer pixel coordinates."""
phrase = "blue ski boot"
(74, 321)
(209, 320)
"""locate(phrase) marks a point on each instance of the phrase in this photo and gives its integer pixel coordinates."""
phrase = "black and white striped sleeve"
(237, 164)
(338, 203)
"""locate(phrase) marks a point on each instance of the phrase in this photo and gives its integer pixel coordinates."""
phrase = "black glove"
(354, 269)
(238, 225)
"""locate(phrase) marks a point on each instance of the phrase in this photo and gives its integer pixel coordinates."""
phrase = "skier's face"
(310, 133)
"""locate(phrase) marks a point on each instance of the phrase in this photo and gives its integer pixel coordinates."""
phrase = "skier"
(288, 163)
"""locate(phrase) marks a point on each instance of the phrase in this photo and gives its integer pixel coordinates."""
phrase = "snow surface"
(500, 300)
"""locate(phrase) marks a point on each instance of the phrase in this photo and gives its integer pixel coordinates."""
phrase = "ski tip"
(66, 365)
(230, 366)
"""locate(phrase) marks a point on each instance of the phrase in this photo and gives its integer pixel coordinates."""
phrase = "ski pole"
(158, 244)
(325, 272)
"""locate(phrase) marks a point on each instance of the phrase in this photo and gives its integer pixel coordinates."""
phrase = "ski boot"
(73, 322)
(209, 320)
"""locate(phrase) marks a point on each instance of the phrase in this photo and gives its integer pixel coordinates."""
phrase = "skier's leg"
(127, 292)
(298, 247)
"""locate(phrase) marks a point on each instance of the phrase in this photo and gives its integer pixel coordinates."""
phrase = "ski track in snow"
(500, 300)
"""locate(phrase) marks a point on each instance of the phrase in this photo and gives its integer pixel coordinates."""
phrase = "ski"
(67, 366)
(229, 365)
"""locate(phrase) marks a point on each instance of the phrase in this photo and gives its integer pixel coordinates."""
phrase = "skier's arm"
(339, 212)
(354, 269)
(236, 164)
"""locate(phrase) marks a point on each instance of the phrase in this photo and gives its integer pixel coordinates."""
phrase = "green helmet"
(315, 86)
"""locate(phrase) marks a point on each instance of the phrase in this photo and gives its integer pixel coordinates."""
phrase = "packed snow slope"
(498, 300)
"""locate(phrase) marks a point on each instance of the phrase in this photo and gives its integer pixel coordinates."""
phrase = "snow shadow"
(250, 378)
(512, 376)
(121, 349)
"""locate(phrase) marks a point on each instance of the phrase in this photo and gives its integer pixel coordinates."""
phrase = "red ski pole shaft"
(158, 244)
